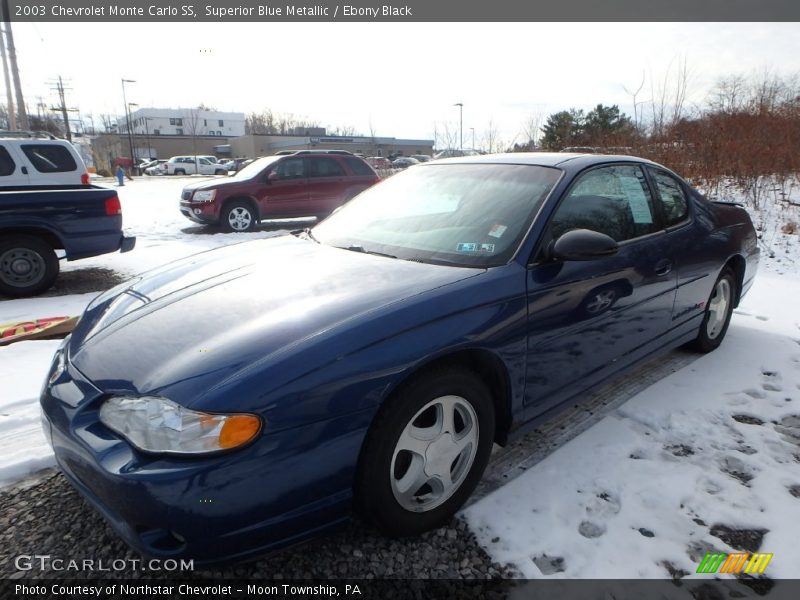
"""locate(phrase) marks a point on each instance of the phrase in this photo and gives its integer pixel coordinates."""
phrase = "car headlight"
(159, 425)
(204, 196)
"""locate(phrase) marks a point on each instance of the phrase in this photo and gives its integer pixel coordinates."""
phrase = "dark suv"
(297, 184)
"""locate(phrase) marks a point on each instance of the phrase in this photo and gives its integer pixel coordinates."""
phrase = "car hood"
(213, 184)
(192, 324)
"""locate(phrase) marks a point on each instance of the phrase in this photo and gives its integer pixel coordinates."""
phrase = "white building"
(184, 121)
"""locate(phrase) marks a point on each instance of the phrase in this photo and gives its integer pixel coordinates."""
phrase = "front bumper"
(199, 212)
(283, 488)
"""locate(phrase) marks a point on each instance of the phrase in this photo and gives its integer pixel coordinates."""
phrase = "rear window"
(7, 166)
(49, 159)
(359, 167)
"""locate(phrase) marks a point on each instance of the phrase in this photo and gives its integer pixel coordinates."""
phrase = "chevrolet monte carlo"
(252, 396)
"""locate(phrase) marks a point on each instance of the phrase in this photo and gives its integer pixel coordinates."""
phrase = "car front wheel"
(718, 313)
(425, 452)
(238, 216)
(28, 266)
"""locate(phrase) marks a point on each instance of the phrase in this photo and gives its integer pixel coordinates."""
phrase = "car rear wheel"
(425, 452)
(238, 216)
(719, 309)
(180, 172)
(28, 266)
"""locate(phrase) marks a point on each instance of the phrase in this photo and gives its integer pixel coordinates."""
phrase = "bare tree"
(108, 122)
(445, 135)
(633, 96)
(729, 94)
(191, 123)
(531, 129)
(669, 97)
(491, 137)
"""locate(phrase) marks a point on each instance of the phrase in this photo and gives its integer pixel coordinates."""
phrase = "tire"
(180, 172)
(238, 216)
(220, 172)
(413, 475)
(719, 309)
(28, 266)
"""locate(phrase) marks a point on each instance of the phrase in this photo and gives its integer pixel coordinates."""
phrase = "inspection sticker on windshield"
(497, 231)
(474, 247)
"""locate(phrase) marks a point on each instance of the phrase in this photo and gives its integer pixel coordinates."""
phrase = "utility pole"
(12, 59)
(62, 108)
(12, 112)
(128, 118)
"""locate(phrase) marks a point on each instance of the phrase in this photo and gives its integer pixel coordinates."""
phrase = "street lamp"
(147, 134)
(131, 125)
(473, 137)
(460, 106)
(128, 117)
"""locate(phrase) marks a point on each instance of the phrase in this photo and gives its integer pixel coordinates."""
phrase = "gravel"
(48, 517)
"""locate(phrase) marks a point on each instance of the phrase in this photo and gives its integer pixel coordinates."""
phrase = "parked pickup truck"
(34, 224)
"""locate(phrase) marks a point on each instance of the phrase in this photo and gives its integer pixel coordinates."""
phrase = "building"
(264, 145)
(108, 147)
(184, 121)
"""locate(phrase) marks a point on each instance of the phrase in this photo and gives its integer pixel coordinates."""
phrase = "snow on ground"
(639, 494)
(163, 234)
(642, 493)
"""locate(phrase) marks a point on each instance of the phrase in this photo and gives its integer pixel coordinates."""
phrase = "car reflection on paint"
(251, 396)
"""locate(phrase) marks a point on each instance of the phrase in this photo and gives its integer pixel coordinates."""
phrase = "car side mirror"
(272, 176)
(583, 244)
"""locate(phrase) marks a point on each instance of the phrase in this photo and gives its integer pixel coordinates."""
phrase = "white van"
(190, 165)
(28, 161)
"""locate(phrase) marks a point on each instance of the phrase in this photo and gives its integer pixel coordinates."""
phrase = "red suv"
(297, 184)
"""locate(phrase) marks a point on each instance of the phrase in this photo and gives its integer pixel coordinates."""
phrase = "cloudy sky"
(401, 79)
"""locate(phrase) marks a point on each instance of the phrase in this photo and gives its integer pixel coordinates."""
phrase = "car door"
(588, 318)
(283, 189)
(695, 267)
(206, 167)
(12, 173)
(327, 185)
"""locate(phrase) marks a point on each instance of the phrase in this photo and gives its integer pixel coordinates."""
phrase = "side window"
(7, 166)
(292, 168)
(204, 161)
(325, 167)
(49, 159)
(358, 166)
(673, 200)
(614, 200)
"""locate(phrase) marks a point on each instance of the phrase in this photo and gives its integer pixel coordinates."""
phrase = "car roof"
(543, 159)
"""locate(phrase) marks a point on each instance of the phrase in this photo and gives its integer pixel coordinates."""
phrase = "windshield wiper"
(359, 248)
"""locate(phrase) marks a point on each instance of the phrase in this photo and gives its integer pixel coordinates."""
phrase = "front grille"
(186, 195)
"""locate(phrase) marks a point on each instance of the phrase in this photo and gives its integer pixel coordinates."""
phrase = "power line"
(63, 106)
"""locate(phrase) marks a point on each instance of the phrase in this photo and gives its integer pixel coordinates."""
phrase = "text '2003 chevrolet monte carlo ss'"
(254, 395)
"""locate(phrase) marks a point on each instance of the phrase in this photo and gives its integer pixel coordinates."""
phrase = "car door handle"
(663, 267)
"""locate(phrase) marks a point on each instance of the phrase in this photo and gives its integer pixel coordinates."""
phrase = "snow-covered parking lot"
(706, 459)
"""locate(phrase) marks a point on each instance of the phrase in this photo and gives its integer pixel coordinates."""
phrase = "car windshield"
(255, 167)
(471, 215)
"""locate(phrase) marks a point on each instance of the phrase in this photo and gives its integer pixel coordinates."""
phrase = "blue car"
(252, 396)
